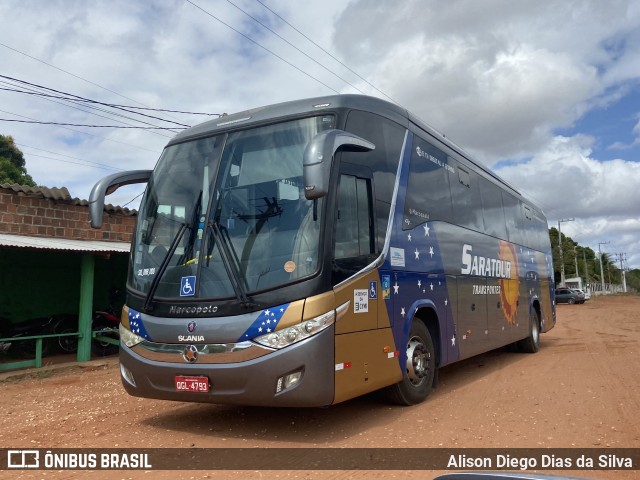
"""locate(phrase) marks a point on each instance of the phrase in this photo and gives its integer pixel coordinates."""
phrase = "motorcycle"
(107, 323)
(104, 322)
(28, 328)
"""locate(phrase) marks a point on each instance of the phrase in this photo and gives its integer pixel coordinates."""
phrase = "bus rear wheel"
(531, 344)
(420, 368)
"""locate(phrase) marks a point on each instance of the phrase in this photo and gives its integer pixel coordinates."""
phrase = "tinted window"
(388, 138)
(354, 240)
(465, 195)
(353, 225)
(541, 231)
(513, 218)
(428, 196)
(494, 222)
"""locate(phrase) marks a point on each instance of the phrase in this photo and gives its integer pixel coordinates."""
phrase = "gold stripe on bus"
(375, 317)
(292, 316)
(372, 366)
(319, 305)
(124, 317)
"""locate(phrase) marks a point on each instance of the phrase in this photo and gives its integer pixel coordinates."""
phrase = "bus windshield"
(226, 215)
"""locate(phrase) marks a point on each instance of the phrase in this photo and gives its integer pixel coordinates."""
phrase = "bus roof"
(296, 108)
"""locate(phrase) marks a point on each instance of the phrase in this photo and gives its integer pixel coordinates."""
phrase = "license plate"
(191, 384)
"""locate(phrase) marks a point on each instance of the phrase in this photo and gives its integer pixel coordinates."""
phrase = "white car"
(587, 295)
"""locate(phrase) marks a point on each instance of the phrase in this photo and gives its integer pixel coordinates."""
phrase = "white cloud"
(498, 77)
(565, 177)
(602, 197)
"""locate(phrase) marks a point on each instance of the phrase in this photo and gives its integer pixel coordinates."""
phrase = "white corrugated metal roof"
(46, 243)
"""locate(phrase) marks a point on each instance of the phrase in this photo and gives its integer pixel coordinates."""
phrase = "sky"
(546, 94)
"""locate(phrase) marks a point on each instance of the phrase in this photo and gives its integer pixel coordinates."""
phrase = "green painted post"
(38, 352)
(86, 307)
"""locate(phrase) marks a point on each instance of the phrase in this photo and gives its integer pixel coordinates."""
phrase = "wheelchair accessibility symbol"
(188, 286)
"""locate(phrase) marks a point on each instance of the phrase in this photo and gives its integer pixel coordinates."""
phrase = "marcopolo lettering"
(483, 266)
(192, 310)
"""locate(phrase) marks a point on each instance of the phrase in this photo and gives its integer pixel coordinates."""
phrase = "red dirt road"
(581, 390)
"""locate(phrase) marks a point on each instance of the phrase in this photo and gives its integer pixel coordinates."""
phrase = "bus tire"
(531, 344)
(419, 374)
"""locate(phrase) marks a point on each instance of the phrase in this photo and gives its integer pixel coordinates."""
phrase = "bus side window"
(382, 162)
(465, 196)
(354, 244)
(492, 209)
(428, 197)
(513, 218)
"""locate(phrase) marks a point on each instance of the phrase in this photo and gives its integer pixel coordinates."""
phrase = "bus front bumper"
(257, 382)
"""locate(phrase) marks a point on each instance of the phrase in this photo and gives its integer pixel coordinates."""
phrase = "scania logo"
(191, 326)
(190, 353)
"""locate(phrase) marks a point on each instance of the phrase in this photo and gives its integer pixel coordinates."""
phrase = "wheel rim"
(535, 331)
(417, 361)
(68, 344)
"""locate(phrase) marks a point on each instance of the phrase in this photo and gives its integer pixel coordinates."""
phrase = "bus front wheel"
(420, 368)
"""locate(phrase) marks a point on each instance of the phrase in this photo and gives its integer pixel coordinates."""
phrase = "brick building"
(52, 213)
(52, 261)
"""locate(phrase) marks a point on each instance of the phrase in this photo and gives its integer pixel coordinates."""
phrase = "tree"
(12, 164)
(633, 279)
(573, 253)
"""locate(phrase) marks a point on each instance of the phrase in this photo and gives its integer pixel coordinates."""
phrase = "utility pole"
(601, 269)
(560, 245)
(586, 269)
(624, 277)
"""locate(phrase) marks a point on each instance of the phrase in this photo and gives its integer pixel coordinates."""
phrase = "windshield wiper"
(230, 266)
(172, 248)
(163, 266)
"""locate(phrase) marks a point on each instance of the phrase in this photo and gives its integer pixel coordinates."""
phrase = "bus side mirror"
(107, 186)
(318, 157)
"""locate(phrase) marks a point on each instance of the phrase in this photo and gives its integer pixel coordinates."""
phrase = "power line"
(262, 46)
(82, 125)
(88, 103)
(115, 105)
(48, 98)
(89, 134)
(83, 164)
(170, 111)
(328, 53)
(130, 201)
(78, 98)
(292, 45)
(69, 73)
(99, 165)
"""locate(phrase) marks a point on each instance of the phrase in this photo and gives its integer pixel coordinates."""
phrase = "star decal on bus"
(265, 321)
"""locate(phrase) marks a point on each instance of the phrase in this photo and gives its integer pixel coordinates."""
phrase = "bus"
(305, 253)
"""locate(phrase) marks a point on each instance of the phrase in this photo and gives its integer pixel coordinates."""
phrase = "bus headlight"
(295, 333)
(129, 338)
